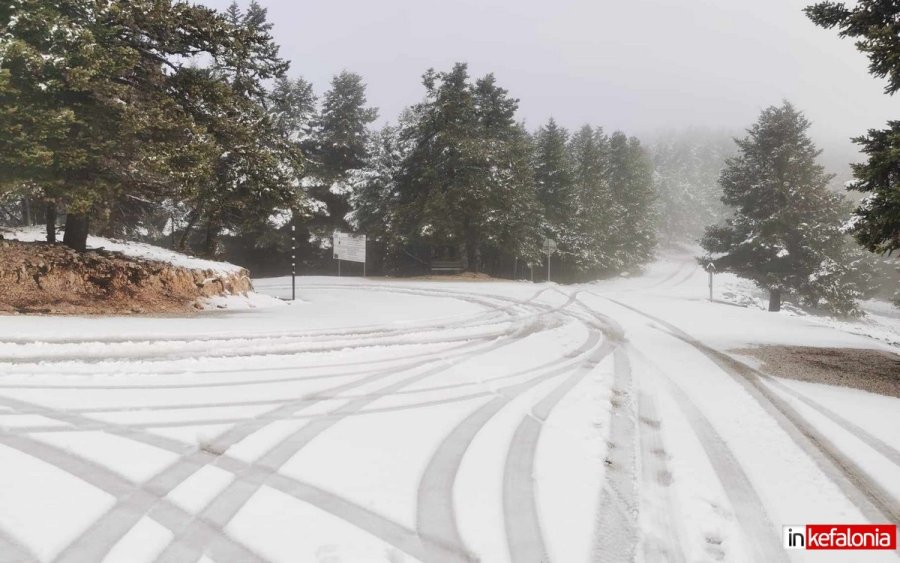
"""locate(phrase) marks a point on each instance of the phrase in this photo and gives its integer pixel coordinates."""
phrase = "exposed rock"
(47, 278)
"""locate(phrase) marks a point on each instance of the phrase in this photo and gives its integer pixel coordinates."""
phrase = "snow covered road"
(389, 420)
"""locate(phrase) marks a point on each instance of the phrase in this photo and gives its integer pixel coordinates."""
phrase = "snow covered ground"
(129, 248)
(392, 420)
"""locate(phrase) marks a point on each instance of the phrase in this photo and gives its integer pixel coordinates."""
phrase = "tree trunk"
(774, 300)
(193, 216)
(26, 211)
(212, 239)
(472, 254)
(76, 231)
(50, 219)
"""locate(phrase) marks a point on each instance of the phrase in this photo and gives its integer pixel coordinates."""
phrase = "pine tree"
(511, 228)
(633, 208)
(465, 186)
(340, 144)
(258, 168)
(375, 198)
(589, 235)
(876, 23)
(96, 102)
(785, 231)
(553, 176)
(442, 200)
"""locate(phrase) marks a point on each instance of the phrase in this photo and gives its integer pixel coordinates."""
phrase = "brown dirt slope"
(53, 279)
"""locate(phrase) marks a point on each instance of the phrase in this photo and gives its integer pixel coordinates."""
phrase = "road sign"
(711, 268)
(349, 247)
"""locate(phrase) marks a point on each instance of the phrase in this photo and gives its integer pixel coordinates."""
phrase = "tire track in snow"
(252, 342)
(656, 478)
(616, 527)
(11, 551)
(748, 508)
(435, 510)
(221, 547)
(106, 532)
(525, 538)
(870, 497)
(356, 515)
(45, 359)
(523, 530)
(448, 352)
(435, 514)
(861, 434)
(226, 505)
(401, 537)
(109, 529)
(359, 330)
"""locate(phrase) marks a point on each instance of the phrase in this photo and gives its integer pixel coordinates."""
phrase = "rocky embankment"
(54, 279)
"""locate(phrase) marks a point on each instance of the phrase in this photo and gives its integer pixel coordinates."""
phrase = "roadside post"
(711, 269)
(549, 248)
(293, 261)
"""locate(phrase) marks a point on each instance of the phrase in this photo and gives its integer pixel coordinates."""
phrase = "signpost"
(349, 247)
(711, 268)
(549, 248)
(293, 261)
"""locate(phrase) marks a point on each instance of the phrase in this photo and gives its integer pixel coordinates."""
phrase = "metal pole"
(710, 285)
(548, 265)
(293, 263)
(339, 267)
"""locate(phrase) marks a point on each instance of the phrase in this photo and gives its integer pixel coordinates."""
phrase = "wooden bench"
(446, 267)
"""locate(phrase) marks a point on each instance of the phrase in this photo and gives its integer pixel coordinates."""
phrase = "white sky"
(636, 65)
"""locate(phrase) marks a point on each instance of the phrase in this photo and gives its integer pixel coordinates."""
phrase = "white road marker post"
(549, 248)
(711, 268)
(293, 261)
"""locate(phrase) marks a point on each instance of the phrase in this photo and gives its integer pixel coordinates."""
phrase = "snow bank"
(131, 249)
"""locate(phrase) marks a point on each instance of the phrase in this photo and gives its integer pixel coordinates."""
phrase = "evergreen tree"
(633, 202)
(375, 197)
(553, 176)
(876, 221)
(259, 168)
(340, 144)
(785, 231)
(96, 103)
(442, 201)
(512, 225)
(465, 187)
(876, 24)
(589, 234)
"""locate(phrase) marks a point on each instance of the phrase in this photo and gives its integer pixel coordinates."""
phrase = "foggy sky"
(637, 65)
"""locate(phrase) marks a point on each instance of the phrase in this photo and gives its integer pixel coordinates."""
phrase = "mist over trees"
(687, 165)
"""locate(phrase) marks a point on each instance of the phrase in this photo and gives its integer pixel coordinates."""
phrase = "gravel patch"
(870, 370)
